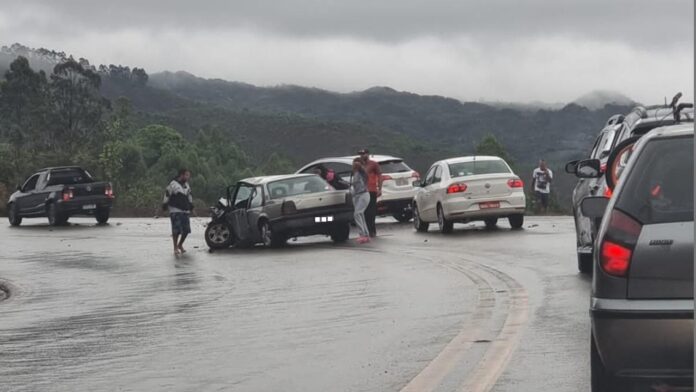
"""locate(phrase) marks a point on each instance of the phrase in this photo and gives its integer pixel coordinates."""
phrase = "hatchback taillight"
(109, 191)
(386, 177)
(68, 194)
(515, 183)
(456, 188)
(619, 242)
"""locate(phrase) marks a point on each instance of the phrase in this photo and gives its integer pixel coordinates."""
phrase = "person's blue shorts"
(181, 223)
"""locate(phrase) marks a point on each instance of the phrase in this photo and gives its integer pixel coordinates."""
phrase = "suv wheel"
(13, 215)
(445, 225)
(420, 226)
(403, 216)
(585, 261)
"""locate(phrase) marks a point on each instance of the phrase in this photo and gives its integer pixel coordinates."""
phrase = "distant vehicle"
(482, 188)
(625, 130)
(642, 304)
(397, 182)
(584, 227)
(59, 193)
(272, 209)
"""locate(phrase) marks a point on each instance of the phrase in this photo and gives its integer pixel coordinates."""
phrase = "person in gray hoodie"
(179, 201)
(361, 199)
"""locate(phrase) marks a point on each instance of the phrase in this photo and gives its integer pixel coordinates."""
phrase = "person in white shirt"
(541, 184)
(179, 201)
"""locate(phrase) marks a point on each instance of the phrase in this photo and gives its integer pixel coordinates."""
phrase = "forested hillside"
(136, 129)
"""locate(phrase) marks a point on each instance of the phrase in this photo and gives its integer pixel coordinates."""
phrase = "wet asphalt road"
(110, 308)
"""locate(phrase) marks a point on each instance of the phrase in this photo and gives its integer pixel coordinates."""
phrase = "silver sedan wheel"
(219, 233)
(266, 234)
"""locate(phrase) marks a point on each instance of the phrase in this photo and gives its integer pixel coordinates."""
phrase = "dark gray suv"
(642, 304)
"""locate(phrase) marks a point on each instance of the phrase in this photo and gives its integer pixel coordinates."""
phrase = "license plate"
(402, 181)
(323, 219)
(489, 204)
(89, 207)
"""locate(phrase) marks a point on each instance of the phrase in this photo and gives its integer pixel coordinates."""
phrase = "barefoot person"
(179, 201)
(361, 199)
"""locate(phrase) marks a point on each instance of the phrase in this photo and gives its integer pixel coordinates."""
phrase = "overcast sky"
(507, 50)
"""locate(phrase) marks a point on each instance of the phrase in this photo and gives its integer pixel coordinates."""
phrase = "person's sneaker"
(363, 240)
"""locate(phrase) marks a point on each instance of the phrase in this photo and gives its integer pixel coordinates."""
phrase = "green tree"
(490, 146)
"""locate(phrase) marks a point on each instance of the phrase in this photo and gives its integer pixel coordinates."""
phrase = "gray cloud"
(496, 49)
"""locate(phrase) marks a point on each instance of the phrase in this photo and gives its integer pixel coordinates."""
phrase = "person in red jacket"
(374, 186)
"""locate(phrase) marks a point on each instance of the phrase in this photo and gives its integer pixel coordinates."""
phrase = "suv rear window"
(394, 167)
(660, 187)
(472, 168)
(69, 177)
(297, 186)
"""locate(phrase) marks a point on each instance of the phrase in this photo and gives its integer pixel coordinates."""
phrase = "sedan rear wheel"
(13, 215)
(446, 225)
(516, 221)
(218, 235)
(340, 233)
(491, 223)
(585, 262)
(420, 226)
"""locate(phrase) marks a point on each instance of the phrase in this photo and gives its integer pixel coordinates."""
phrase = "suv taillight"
(109, 191)
(515, 183)
(456, 188)
(415, 175)
(386, 177)
(619, 241)
(67, 194)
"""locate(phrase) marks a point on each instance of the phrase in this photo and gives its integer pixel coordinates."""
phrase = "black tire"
(54, 217)
(491, 223)
(445, 225)
(219, 235)
(270, 238)
(600, 380)
(611, 183)
(13, 215)
(585, 263)
(403, 216)
(340, 233)
(418, 224)
(102, 215)
(516, 221)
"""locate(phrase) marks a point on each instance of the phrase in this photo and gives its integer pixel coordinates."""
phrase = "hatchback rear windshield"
(297, 186)
(660, 187)
(69, 177)
(472, 168)
(394, 167)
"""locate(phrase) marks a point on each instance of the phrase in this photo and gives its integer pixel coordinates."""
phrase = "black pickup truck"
(59, 193)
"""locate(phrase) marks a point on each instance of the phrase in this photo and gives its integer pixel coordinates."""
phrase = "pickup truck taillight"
(619, 242)
(288, 207)
(68, 194)
(109, 191)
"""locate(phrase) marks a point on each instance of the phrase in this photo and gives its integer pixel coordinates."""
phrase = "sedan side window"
(429, 177)
(438, 174)
(30, 185)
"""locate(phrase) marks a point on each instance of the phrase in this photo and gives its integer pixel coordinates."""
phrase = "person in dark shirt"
(331, 177)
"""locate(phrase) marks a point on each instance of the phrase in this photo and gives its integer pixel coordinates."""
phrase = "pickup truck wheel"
(516, 221)
(54, 217)
(13, 215)
(491, 223)
(420, 226)
(102, 215)
(340, 233)
(218, 235)
(446, 225)
(585, 261)
(270, 238)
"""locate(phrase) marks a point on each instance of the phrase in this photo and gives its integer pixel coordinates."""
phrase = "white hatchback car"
(469, 189)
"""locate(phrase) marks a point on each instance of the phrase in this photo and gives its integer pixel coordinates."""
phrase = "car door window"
(241, 197)
(30, 184)
(429, 176)
(342, 170)
(257, 198)
(438, 175)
